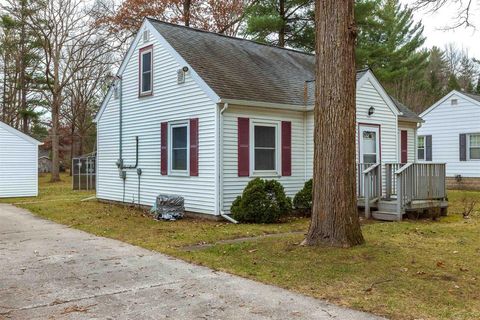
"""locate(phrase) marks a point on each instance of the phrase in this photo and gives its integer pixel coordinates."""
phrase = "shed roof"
(19, 134)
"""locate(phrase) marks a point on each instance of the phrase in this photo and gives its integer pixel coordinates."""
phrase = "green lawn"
(406, 270)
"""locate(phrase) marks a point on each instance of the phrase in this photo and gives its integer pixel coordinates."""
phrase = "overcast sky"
(468, 38)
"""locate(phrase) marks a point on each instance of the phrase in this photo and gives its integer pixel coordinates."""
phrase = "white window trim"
(265, 173)
(424, 148)
(171, 125)
(468, 146)
(149, 92)
(376, 129)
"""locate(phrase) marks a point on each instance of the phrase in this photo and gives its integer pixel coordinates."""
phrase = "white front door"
(369, 144)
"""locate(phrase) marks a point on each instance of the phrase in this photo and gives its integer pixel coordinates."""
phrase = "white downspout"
(220, 166)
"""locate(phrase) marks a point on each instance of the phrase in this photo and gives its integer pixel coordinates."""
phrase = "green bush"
(303, 199)
(262, 201)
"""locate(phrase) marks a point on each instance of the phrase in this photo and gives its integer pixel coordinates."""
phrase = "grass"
(406, 270)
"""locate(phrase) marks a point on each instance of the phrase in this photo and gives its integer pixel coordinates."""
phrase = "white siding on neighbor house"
(142, 117)
(233, 185)
(411, 129)
(18, 166)
(445, 123)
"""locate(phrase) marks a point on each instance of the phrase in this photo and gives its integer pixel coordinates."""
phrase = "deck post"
(399, 196)
(367, 195)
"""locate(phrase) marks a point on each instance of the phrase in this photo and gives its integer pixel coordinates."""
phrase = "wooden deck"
(390, 190)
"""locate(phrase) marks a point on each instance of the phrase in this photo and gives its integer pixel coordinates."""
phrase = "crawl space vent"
(146, 36)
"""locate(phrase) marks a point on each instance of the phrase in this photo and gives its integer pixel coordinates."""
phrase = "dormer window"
(146, 71)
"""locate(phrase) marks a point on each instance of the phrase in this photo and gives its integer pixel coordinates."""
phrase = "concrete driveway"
(49, 271)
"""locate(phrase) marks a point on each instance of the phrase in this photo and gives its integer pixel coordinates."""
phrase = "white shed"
(18, 163)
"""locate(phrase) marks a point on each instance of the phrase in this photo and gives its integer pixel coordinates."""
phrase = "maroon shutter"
(243, 147)
(286, 148)
(404, 146)
(164, 148)
(194, 147)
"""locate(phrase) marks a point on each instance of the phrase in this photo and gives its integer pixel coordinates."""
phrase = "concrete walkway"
(49, 271)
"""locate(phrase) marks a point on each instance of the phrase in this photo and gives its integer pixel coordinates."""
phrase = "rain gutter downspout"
(220, 175)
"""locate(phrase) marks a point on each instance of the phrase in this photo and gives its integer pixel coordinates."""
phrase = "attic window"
(146, 71)
(454, 102)
(145, 36)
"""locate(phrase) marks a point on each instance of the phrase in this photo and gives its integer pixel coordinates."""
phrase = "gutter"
(262, 104)
(220, 166)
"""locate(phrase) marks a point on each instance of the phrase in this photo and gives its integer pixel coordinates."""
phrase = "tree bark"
(186, 11)
(335, 220)
(282, 31)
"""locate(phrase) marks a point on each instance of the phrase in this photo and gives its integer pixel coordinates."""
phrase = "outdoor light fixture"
(371, 111)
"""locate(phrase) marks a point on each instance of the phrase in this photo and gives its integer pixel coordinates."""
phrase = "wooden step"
(386, 215)
(389, 206)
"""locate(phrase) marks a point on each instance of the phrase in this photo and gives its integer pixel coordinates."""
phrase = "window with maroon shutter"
(164, 148)
(404, 146)
(243, 147)
(194, 147)
(286, 148)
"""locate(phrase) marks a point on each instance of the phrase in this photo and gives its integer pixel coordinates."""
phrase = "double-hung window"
(421, 148)
(179, 147)
(474, 146)
(146, 71)
(265, 147)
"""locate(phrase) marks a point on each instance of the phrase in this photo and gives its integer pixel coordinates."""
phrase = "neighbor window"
(179, 147)
(146, 78)
(421, 148)
(265, 146)
(474, 146)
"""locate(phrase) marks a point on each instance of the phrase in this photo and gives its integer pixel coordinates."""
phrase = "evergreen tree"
(477, 88)
(453, 83)
(391, 45)
(284, 23)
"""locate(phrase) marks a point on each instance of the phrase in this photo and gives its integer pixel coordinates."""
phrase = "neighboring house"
(199, 114)
(44, 161)
(451, 134)
(18, 163)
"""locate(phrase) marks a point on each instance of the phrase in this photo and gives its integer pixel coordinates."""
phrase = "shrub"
(262, 201)
(303, 199)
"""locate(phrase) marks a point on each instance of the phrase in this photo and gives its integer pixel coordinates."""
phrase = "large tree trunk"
(335, 218)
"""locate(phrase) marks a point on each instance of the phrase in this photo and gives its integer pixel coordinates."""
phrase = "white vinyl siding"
(233, 185)
(142, 117)
(445, 123)
(18, 165)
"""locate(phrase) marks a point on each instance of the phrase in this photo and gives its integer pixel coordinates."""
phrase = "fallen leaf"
(440, 264)
(253, 250)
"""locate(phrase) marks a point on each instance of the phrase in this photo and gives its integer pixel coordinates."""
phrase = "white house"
(200, 114)
(18, 163)
(451, 134)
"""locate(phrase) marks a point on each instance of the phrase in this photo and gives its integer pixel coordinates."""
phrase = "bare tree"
(462, 18)
(335, 218)
(65, 33)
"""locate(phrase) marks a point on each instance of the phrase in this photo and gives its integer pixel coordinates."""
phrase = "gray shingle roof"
(406, 112)
(473, 96)
(242, 69)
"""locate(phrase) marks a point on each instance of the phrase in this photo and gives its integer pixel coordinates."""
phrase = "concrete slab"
(49, 271)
